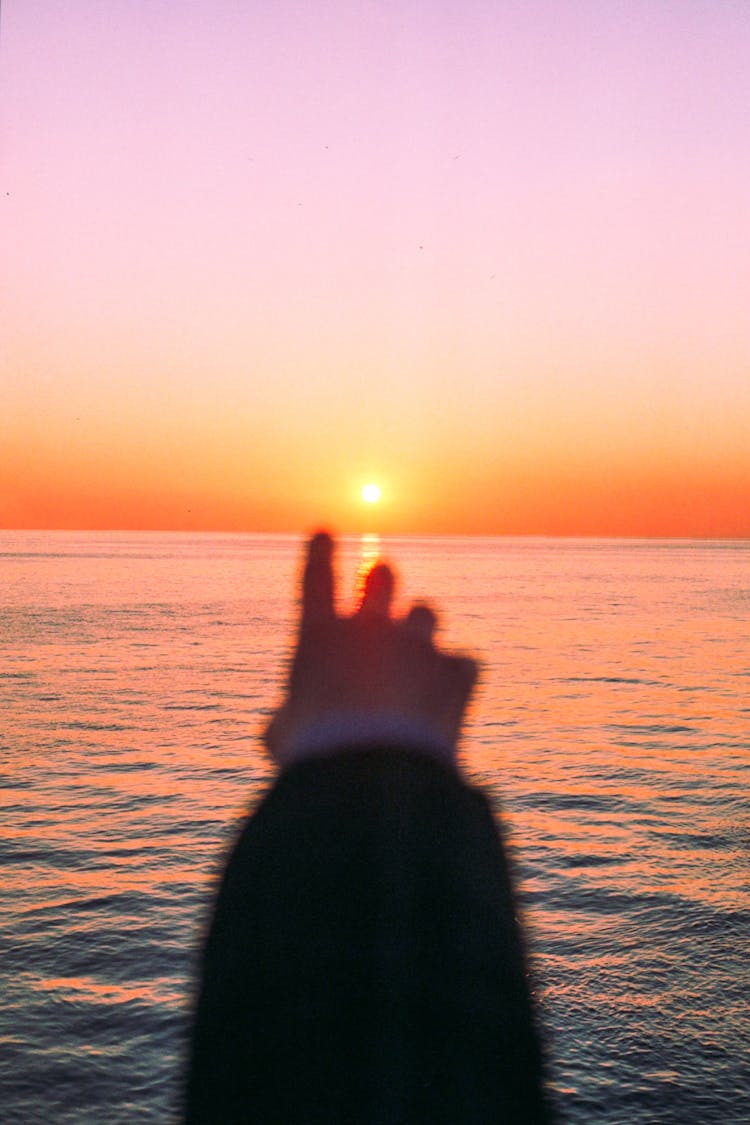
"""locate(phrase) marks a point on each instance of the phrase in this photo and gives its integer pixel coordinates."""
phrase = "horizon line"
(340, 534)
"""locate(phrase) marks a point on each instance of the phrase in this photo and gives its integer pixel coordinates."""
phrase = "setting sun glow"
(539, 329)
(371, 494)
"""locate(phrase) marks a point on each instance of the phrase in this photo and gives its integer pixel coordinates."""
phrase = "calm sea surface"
(612, 726)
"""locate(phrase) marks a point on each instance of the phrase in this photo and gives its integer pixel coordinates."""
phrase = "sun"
(371, 494)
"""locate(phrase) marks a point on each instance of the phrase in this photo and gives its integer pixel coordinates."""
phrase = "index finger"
(317, 582)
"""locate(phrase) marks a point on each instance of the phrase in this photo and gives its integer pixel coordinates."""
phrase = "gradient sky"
(492, 255)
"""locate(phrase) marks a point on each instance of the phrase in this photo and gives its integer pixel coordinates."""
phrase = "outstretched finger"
(317, 582)
(376, 600)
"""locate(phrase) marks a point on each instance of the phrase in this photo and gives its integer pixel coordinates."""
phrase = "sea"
(610, 729)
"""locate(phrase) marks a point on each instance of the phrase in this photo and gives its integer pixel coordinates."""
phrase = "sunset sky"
(493, 256)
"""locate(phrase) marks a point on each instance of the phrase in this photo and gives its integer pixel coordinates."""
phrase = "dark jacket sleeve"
(364, 963)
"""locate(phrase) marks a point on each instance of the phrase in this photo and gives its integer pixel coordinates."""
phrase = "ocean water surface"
(611, 727)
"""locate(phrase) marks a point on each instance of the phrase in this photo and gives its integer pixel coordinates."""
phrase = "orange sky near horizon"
(501, 273)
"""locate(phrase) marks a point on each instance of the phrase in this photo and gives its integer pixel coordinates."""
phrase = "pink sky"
(495, 256)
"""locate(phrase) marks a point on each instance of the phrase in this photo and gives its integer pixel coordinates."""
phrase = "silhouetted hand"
(367, 670)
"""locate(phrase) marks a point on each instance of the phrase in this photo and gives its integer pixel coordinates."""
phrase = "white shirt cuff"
(343, 730)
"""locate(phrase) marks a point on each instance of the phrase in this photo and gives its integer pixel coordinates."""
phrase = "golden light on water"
(369, 556)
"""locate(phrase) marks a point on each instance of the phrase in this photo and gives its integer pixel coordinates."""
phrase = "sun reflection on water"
(369, 556)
